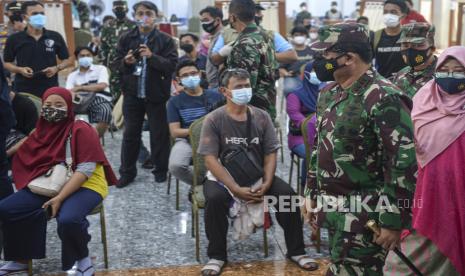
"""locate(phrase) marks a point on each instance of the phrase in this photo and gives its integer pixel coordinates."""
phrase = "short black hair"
(213, 11)
(194, 37)
(334, 3)
(243, 9)
(28, 4)
(237, 73)
(80, 48)
(364, 50)
(147, 4)
(185, 63)
(363, 18)
(400, 3)
(303, 4)
(108, 17)
(299, 29)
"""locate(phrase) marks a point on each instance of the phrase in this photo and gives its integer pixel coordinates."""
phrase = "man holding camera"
(230, 128)
(146, 60)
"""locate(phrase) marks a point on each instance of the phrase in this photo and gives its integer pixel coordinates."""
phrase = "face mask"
(258, 20)
(85, 62)
(241, 96)
(313, 36)
(299, 40)
(416, 57)
(391, 20)
(325, 68)
(16, 18)
(190, 82)
(143, 22)
(188, 48)
(312, 78)
(120, 13)
(451, 85)
(38, 21)
(53, 114)
(209, 27)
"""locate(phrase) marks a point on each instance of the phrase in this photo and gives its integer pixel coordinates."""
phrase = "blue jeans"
(25, 225)
(300, 151)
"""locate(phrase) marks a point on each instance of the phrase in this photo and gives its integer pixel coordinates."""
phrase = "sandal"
(213, 267)
(304, 260)
(89, 271)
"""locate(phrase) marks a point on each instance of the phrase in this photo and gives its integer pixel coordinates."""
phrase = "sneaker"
(123, 182)
(160, 178)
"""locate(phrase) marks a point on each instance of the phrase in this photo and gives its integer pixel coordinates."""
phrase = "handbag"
(239, 162)
(51, 183)
(82, 105)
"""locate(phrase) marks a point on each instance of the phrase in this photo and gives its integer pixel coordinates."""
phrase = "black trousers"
(134, 110)
(6, 188)
(216, 221)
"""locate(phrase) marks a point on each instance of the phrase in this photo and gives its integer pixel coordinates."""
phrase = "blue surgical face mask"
(142, 22)
(85, 62)
(190, 82)
(37, 21)
(241, 96)
(312, 78)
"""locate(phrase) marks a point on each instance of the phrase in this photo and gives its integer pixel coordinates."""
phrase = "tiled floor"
(145, 231)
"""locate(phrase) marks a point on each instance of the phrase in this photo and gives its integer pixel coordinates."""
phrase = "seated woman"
(436, 243)
(23, 214)
(300, 104)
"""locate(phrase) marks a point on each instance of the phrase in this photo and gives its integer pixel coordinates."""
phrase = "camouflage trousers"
(355, 255)
(115, 87)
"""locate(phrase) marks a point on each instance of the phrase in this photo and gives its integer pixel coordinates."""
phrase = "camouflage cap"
(417, 33)
(328, 36)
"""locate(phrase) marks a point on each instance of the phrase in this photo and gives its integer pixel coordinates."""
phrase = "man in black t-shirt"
(32, 54)
(389, 60)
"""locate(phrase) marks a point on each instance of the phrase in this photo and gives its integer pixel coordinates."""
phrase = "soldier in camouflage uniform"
(83, 11)
(417, 46)
(110, 37)
(364, 152)
(254, 51)
(15, 23)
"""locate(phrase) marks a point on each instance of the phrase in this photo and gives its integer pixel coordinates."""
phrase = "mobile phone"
(48, 212)
(38, 74)
(136, 53)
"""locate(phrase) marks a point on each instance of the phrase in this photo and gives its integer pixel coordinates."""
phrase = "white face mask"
(241, 96)
(391, 20)
(299, 40)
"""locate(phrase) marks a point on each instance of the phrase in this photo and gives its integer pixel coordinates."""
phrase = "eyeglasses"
(455, 75)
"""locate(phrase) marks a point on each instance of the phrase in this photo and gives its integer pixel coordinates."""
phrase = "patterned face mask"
(53, 114)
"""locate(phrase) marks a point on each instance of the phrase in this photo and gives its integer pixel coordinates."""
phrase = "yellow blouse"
(97, 182)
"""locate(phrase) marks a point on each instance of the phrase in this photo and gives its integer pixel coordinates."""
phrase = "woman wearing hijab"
(437, 242)
(300, 104)
(23, 213)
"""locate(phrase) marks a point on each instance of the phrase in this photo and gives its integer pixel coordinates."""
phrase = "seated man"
(183, 109)
(189, 43)
(91, 78)
(224, 129)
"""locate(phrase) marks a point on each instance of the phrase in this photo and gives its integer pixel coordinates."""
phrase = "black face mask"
(325, 68)
(451, 85)
(416, 57)
(120, 13)
(188, 48)
(16, 18)
(258, 20)
(209, 27)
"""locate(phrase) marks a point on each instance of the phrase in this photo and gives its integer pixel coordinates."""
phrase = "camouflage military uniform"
(83, 11)
(110, 37)
(364, 148)
(254, 51)
(407, 79)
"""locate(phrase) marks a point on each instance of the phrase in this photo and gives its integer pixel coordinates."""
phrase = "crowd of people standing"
(384, 114)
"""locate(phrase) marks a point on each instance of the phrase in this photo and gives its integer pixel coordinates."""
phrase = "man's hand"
(129, 59)
(261, 191)
(26, 72)
(246, 194)
(308, 214)
(145, 51)
(284, 73)
(50, 71)
(388, 239)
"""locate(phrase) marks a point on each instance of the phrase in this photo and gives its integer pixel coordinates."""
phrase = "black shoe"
(160, 178)
(148, 165)
(123, 182)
